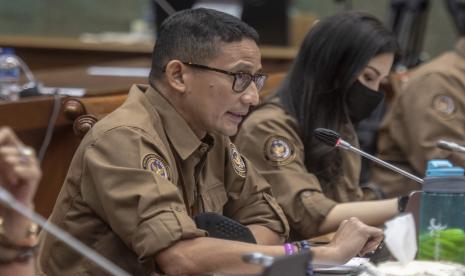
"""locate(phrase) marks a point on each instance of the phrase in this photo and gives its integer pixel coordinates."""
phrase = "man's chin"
(227, 131)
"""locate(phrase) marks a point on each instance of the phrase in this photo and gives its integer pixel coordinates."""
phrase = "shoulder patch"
(443, 104)
(157, 164)
(236, 161)
(279, 150)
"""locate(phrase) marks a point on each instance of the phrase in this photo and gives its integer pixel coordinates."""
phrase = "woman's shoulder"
(270, 111)
(269, 118)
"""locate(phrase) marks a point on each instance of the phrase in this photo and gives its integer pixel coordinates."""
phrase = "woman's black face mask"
(362, 101)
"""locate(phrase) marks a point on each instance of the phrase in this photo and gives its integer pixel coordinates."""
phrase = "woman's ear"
(175, 75)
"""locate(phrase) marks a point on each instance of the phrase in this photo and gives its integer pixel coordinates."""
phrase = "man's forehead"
(243, 53)
(243, 46)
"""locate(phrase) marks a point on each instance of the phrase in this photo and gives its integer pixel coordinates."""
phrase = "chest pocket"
(214, 198)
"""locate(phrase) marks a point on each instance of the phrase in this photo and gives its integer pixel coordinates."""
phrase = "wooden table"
(58, 52)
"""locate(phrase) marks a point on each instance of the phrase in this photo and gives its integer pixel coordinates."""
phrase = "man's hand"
(19, 169)
(354, 237)
(20, 175)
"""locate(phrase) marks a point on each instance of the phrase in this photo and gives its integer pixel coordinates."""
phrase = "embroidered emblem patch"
(156, 164)
(444, 104)
(237, 161)
(279, 150)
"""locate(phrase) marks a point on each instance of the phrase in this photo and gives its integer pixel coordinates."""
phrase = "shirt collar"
(183, 138)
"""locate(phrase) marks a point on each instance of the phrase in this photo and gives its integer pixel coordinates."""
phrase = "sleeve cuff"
(280, 225)
(163, 230)
(317, 207)
(264, 211)
(372, 192)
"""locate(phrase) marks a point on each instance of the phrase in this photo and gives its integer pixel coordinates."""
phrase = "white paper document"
(142, 72)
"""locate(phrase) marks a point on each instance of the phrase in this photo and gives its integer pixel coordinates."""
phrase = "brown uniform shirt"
(430, 108)
(269, 139)
(138, 177)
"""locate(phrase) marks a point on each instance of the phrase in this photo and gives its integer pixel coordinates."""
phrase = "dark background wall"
(440, 33)
(68, 17)
(73, 17)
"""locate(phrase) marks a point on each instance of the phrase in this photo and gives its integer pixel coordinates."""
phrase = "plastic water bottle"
(442, 214)
(10, 71)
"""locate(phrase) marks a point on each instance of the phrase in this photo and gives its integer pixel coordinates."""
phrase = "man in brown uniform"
(431, 107)
(142, 172)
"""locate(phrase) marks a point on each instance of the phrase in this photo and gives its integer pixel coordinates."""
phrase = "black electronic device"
(221, 227)
(295, 265)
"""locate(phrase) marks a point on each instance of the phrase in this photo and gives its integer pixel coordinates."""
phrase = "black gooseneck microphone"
(333, 139)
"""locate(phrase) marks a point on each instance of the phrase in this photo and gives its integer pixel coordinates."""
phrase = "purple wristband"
(288, 248)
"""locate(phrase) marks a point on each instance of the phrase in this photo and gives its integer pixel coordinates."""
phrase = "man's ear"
(175, 75)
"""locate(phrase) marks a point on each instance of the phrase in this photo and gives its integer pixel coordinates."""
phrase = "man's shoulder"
(128, 116)
(441, 77)
(447, 65)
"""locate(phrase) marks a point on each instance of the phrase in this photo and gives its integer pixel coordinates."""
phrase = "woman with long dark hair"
(333, 83)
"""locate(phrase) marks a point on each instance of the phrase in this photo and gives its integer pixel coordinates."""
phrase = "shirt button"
(203, 149)
(179, 208)
(307, 194)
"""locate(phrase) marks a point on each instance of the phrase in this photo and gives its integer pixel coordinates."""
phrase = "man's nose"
(250, 96)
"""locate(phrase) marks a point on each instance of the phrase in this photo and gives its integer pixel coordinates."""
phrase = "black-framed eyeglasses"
(242, 80)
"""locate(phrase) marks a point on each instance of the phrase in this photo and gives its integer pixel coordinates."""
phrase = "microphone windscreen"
(327, 136)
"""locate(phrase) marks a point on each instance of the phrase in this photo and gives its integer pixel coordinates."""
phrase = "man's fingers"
(369, 247)
(15, 165)
(376, 237)
(342, 224)
(24, 154)
(9, 150)
(28, 173)
(10, 177)
(7, 137)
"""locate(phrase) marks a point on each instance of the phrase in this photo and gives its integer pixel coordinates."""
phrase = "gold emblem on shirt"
(444, 104)
(157, 165)
(237, 162)
(279, 150)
